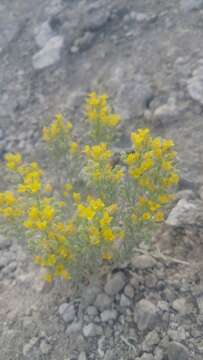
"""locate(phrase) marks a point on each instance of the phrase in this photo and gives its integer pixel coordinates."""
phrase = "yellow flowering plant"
(76, 227)
(102, 120)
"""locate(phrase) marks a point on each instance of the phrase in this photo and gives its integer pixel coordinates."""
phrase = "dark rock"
(85, 41)
(96, 17)
(146, 315)
(177, 351)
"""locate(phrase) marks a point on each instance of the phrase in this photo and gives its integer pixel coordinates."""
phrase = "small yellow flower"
(108, 234)
(167, 144)
(85, 212)
(48, 188)
(132, 158)
(68, 187)
(164, 199)
(112, 209)
(48, 213)
(51, 260)
(9, 198)
(74, 147)
(65, 275)
(28, 224)
(166, 165)
(106, 219)
(38, 260)
(48, 277)
(13, 161)
(95, 204)
(7, 212)
(41, 225)
(34, 213)
(159, 216)
(61, 204)
(69, 125)
(106, 256)
(146, 216)
(76, 197)
(156, 143)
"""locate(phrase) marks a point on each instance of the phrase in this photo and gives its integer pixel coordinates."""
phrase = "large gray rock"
(177, 351)
(146, 315)
(92, 330)
(92, 311)
(143, 262)
(115, 284)
(180, 306)
(89, 295)
(151, 339)
(49, 54)
(125, 301)
(167, 114)
(43, 34)
(82, 356)
(103, 301)
(107, 315)
(67, 312)
(28, 347)
(195, 84)
(186, 213)
(74, 328)
(45, 347)
(129, 291)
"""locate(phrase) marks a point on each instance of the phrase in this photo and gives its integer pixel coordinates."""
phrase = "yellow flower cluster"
(101, 119)
(151, 163)
(63, 244)
(9, 206)
(97, 111)
(99, 169)
(58, 128)
(29, 174)
(151, 166)
(40, 215)
(31, 178)
(13, 161)
(98, 152)
(54, 238)
(97, 222)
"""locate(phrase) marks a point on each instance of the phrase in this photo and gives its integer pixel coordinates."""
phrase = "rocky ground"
(148, 56)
